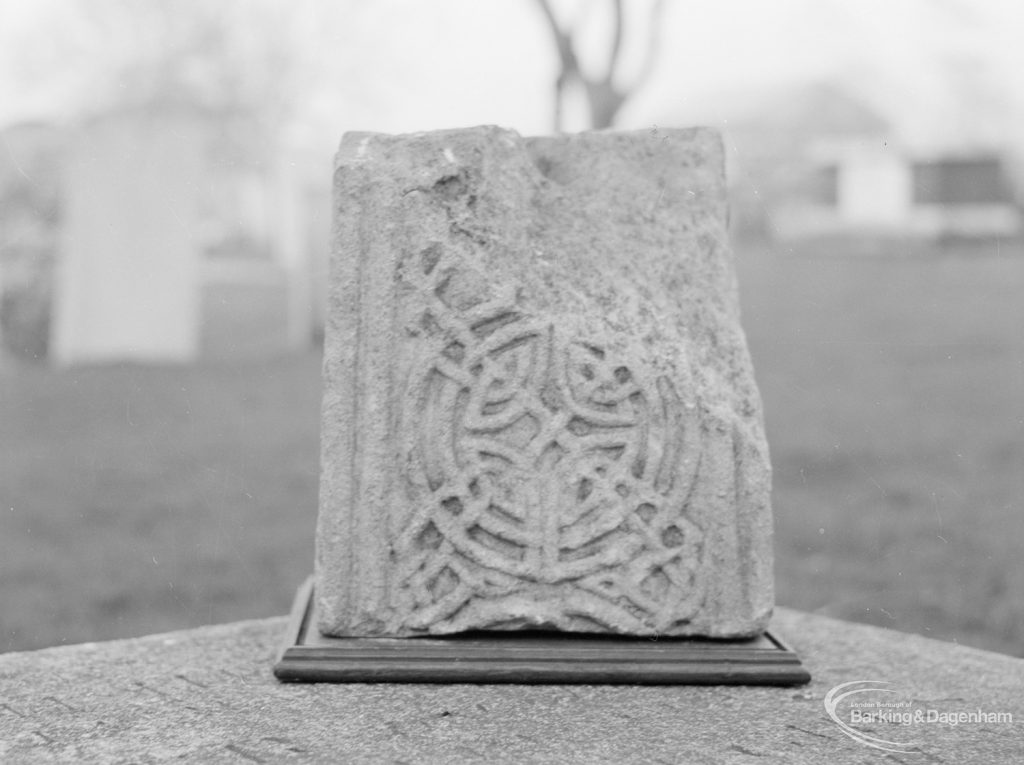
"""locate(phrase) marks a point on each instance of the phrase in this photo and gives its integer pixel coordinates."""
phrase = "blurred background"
(164, 215)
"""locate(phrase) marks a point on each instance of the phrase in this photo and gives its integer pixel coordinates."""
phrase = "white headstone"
(127, 283)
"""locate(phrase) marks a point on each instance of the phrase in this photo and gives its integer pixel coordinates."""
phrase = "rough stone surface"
(539, 409)
(208, 696)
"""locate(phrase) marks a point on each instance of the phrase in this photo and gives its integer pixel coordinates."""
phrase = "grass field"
(139, 499)
(147, 499)
(894, 398)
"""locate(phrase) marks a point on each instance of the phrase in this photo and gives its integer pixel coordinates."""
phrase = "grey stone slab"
(208, 695)
(539, 409)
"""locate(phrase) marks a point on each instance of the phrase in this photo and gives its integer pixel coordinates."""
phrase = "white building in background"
(886, 190)
(813, 161)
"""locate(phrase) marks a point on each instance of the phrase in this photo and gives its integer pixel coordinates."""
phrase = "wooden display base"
(529, 658)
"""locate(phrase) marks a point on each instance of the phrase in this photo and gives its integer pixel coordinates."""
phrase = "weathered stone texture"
(208, 696)
(539, 409)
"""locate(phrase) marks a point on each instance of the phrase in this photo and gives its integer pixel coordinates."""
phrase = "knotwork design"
(541, 465)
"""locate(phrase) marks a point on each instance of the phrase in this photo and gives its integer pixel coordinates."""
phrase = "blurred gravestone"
(539, 410)
(182, 239)
(127, 285)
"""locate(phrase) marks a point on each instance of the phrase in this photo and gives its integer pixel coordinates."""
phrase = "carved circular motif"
(546, 462)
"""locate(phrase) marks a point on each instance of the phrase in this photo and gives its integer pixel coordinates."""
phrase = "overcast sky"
(423, 64)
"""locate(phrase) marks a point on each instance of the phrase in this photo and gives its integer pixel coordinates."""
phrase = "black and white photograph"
(519, 381)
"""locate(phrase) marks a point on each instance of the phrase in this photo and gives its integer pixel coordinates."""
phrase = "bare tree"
(605, 95)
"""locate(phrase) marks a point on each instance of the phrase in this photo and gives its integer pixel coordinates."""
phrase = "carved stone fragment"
(539, 410)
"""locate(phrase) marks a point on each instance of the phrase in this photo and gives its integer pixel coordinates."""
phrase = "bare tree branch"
(613, 54)
(604, 97)
(653, 45)
(569, 65)
(563, 41)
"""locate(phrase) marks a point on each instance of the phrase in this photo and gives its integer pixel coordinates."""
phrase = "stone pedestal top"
(208, 695)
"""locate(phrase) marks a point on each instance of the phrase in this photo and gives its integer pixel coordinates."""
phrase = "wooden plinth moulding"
(529, 658)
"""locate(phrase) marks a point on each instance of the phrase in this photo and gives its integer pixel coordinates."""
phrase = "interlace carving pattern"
(544, 465)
